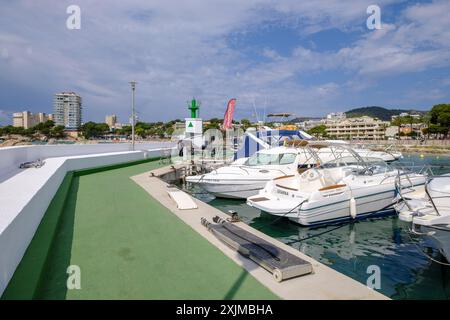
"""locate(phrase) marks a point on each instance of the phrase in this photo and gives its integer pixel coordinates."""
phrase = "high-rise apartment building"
(26, 119)
(67, 110)
(111, 120)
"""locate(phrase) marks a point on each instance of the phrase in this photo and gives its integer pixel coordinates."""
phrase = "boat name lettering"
(282, 192)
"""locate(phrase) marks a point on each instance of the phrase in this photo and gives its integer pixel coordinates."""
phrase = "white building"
(406, 114)
(27, 120)
(67, 110)
(111, 121)
(336, 116)
(357, 128)
(309, 124)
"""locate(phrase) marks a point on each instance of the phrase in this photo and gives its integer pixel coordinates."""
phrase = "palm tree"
(409, 120)
(397, 121)
(426, 119)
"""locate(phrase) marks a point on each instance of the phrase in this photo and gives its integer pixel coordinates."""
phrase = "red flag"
(228, 118)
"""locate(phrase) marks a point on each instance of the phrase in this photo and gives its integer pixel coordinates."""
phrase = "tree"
(125, 130)
(397, 121)
(170, 131)
(437, 129)
(426, 119)
(214, 123)
(91, 129)
(29, 132)
(410, 120)
(440, 116)
(437, 110)
(57, 132)
(318, 131)
(245, 123)
(140, 132)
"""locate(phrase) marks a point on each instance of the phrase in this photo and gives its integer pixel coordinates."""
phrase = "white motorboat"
(348, 187)
(427, 208)
(387, 155)
(246, 176)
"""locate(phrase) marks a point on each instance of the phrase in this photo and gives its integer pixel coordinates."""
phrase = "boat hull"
(441, 236)
(367, 204)
(319, 213)
(233, 189)
(332, 207)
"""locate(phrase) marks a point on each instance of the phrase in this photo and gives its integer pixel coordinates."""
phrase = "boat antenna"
(265, 105)
(254, 108)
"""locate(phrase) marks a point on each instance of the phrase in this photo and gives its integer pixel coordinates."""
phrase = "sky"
(308, 58)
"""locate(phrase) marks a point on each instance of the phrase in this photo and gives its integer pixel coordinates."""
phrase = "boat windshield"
(376, 166)
(261, 159)
(343, 161)
(368, 167)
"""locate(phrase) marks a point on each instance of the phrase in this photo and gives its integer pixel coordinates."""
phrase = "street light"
(133, 117)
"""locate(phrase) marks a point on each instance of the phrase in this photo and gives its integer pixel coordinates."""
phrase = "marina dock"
(131, 242)
(127, 245)
(225, 158)
(324, 283)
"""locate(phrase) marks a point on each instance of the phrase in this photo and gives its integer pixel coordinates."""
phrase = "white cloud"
(179, 49)
(420, 40)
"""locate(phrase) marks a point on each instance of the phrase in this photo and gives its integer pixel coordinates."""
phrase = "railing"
(426, 170)
(430, 198)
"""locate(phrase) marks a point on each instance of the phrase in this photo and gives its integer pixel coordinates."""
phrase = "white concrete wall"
(25, 198)
(12, 157)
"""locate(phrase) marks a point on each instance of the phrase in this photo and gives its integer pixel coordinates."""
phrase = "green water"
(406, 273)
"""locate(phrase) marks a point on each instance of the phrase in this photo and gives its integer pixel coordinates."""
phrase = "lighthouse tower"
(194, 124)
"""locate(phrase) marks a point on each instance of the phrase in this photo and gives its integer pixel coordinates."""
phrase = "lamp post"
(133, 117)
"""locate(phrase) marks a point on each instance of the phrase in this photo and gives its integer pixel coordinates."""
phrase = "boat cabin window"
(260, 158)
(287, 158)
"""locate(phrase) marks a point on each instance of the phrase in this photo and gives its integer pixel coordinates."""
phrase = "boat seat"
(301, 170)
(331, 177)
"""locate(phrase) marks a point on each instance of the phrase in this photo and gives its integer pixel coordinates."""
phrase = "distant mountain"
(378, 112)
(301, 119)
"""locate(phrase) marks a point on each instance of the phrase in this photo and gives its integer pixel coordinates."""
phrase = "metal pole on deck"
(133, 116)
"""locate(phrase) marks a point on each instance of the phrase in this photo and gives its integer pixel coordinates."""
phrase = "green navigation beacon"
(194, 108)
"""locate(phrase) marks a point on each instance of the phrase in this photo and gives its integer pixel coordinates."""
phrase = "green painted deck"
(128, 246)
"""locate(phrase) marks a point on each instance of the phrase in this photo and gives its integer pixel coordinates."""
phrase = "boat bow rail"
(420, 206)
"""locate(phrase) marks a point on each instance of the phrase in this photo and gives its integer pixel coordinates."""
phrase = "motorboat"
(347, 187)
(427, 208)
(246, 176)
(388, 155)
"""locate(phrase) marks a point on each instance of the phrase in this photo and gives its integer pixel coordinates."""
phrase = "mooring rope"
(419, 248)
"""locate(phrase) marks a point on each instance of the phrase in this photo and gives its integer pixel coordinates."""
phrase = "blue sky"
(304, 57)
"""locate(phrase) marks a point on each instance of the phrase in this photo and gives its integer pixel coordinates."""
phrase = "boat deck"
(127, 246)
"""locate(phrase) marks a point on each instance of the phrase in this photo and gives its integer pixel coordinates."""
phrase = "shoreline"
(427, 151)
(439, 148)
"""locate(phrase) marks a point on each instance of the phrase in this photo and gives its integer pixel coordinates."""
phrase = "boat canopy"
(340, 153)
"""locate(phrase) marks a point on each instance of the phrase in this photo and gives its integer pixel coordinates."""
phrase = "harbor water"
(355, 249)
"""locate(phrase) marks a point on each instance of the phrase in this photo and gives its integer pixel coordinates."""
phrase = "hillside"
(377, 112)
(301, 119)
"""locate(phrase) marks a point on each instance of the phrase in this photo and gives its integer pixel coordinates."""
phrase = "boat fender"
(353, 207)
